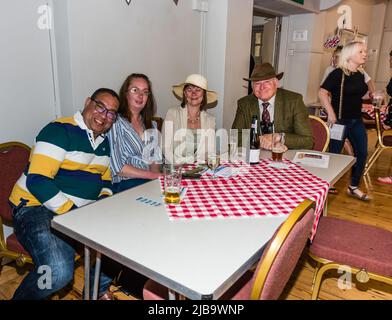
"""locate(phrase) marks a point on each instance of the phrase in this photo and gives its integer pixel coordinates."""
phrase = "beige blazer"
(176, 137)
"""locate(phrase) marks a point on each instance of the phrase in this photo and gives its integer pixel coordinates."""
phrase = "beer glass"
(172, 183)
(278, 147)
(213, 162)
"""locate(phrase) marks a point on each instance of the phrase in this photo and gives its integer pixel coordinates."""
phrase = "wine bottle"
(254, 150)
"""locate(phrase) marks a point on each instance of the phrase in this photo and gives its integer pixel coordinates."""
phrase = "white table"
(338, 164)
(198, 259)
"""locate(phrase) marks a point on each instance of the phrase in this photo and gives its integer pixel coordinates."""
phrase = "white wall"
(108, 40)
(383, 69)
(63, 58)
(303, 58)
(27, 97)
(155, 37)
(229, 25)
(239, 34)
(304, 62)
(368, 17)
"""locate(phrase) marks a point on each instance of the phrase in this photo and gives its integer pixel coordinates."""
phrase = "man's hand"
(266, 141)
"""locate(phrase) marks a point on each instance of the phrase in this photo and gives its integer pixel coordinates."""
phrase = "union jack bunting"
(332, 42)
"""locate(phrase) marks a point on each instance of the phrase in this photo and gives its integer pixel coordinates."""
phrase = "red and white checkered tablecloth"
(369, 109)
(259, 190)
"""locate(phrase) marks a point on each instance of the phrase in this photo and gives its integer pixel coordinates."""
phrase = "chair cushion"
(387, 140)
(12, 164)
(239, 291)
(319, 135)
(154, 291)
(14, 245)
(354, 244)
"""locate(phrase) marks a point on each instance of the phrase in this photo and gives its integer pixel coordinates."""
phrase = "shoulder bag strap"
(341, 97)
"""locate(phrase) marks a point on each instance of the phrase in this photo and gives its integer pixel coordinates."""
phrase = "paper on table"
(312, 159)
(224, 172)
(279, 165)
(336, 131)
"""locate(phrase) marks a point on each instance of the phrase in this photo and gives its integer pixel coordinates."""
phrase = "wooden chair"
(274, 268)
(384, 141)
(14, 156)
(321, 135)
(366, 250)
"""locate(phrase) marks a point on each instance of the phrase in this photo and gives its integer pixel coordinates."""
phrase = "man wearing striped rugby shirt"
(69, 168)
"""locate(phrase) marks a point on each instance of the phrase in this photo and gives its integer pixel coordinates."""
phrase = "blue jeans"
(128, 184)
(53, 255)
(356, 133)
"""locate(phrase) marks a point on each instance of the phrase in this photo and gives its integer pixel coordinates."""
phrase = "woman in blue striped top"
(134, 159)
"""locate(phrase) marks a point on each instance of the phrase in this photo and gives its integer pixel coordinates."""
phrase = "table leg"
(96, 275)
(86, 273)
(325, 209)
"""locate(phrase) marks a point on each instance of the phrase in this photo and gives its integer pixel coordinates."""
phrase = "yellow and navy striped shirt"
(67, 167)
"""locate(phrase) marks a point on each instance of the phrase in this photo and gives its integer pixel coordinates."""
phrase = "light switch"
(300, 35)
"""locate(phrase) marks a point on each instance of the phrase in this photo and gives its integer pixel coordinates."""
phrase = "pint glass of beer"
(172, 183)
(278, 147)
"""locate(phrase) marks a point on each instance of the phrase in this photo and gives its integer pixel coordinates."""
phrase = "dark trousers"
(356, 133)
(53, 255)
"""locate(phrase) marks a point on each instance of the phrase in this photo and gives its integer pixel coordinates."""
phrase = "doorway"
(266, 32)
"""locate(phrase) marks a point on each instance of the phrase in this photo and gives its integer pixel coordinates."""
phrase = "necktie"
(265, 117)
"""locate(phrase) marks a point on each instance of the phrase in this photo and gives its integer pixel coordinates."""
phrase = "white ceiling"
(288, 7)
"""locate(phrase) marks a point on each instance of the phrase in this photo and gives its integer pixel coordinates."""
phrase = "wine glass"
(213, 162)
(378, 97)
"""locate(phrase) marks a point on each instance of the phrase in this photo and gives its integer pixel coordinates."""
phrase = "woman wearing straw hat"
(188, 130)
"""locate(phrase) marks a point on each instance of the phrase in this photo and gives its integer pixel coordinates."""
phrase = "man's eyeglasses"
(101, 109)
(137, 91)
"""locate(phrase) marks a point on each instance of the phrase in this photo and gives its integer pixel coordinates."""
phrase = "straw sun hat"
(196, 80)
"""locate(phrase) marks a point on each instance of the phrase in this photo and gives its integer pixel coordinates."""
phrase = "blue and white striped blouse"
(127, 147)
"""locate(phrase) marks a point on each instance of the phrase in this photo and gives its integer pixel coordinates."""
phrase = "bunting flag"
(129, 2)
(332, 41)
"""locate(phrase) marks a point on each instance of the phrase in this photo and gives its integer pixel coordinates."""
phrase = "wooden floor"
(378, 212)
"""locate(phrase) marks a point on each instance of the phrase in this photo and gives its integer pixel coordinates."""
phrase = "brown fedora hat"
(264, 71)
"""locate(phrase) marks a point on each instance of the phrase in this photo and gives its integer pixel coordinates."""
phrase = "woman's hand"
(154, 175)
(324, 99)
(331, 118)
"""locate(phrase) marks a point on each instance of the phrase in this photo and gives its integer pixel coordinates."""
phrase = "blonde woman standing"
(345, 108)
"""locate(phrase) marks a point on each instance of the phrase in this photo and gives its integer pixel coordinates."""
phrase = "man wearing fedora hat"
(282, 111)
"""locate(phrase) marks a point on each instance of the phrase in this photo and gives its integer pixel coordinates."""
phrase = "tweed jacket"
(290, 117)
